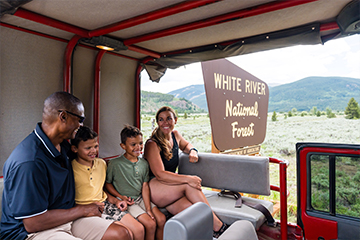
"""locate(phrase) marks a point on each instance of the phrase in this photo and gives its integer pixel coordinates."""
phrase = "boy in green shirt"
(127, 178)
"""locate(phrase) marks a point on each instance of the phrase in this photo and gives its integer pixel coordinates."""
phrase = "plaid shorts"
(112, 212)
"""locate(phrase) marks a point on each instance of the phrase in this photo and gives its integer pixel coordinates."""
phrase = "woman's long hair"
(159, 137)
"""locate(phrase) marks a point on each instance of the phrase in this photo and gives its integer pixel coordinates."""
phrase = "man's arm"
(56, 217)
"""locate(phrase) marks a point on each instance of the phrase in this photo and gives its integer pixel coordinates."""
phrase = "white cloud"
(339, 57)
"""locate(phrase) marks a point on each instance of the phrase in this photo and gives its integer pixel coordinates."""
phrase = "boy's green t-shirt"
(128, 177)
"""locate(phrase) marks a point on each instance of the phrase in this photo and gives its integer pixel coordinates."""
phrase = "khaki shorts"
(92, 228)
(138, 207)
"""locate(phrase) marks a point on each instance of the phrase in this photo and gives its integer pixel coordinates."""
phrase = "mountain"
(152, 101)
(304, 94)
(321, 92)
(194, 93)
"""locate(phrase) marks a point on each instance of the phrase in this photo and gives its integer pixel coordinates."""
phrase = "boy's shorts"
(112, 212)
(138, 207)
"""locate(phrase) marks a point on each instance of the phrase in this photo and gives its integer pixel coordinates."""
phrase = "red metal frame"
(144, 51)
(32, 32)
(23, 13)
(67, 62)
(329, 26)
(138, 90)
(311, 223)
(261, 9)
(138, 95)
(96, 111)
(68, 27)
(151, 16)
(283, 196)
(60, 39)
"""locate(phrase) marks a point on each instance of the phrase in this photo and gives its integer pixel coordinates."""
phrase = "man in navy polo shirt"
(39, 192)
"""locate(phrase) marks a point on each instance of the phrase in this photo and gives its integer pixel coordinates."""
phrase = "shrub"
(274, 117)
(357, 177)
(313, 111)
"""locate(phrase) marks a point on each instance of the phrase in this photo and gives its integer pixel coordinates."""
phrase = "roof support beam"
(96, 110)
(71, 28)
(51, 22)
(244, 13)
(151, 16)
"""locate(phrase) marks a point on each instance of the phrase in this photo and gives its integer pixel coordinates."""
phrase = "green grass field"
(280, 140)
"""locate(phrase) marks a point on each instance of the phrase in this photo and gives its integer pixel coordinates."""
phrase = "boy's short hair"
(84, 133)
(129, 131)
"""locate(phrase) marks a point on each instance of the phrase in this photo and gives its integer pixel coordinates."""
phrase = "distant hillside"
(152, 101)
(322, 92)
(194, 93)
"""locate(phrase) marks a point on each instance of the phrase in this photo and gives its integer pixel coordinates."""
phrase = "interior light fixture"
(105, 43)
(105, 48)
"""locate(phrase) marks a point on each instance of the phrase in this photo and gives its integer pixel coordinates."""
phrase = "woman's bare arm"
(152, 155)
(186, 147)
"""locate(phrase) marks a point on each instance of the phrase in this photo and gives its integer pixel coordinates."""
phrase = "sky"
(339, 57)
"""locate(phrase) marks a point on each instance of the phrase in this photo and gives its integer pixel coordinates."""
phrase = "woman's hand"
(195, 182)
(193, 156)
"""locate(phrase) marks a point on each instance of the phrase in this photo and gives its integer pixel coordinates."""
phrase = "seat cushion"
(224, 208)
(240, 230)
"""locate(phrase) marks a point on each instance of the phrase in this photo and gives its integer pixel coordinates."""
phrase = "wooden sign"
(237, 103)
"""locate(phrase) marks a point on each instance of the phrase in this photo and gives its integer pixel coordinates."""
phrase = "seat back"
(195, 222)
(237, 173)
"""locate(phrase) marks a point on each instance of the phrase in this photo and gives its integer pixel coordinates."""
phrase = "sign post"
(237, 103)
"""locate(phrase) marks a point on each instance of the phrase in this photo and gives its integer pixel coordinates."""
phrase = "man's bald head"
(59, 101)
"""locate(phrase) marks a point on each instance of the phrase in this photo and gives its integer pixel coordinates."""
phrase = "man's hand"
(100, 205)
(92, 209)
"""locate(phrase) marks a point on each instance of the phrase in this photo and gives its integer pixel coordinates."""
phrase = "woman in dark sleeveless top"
(173, 191)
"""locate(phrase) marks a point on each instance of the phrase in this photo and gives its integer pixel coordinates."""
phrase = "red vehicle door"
(328, 181)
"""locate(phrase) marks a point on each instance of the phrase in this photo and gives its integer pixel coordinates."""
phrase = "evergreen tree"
(352, 110)
(274, 117)
(185, 115)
